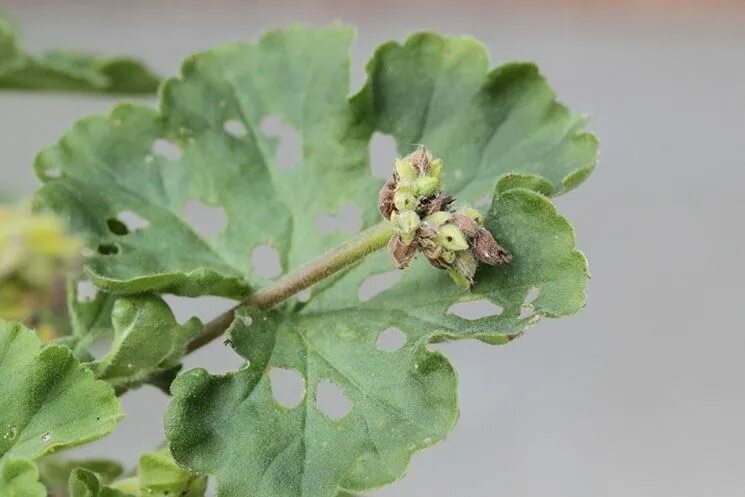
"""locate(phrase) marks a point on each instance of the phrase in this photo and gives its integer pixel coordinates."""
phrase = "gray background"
(639, 395)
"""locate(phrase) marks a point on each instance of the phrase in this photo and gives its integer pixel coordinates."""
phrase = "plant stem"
(348, 253)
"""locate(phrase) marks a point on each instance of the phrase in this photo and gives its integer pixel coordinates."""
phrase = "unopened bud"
(401, 253)
(406, 170)
(465, 266)
(450, 237)
(487, 250)
(468, 226)
(406, 223)
(421, 159)
(438, 219)
(435, 169)
(385, 199)
(474, 214)
(404, 200)
(425, 186)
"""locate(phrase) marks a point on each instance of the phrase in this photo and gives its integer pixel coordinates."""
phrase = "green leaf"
(403, 401)
(50, 402)
(433, 89)
(20, 478)
(160, 476)
(147, 341)
(68, 70)
(55, 472)
(85, 483)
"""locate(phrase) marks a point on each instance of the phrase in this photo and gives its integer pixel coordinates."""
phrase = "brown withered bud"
(400, 253)
(430, 205)
(421, 159)
(487, 250)
(467, 226)
(385, 198)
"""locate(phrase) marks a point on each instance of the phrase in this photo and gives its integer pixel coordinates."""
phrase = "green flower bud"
(426, 186)
(451, 238)
(438, 219)
(435, 170)
(406, 223)
(448, 256)
(404, 200)
(464, 266)
(406, 170)
(459, 279)
(474, 214)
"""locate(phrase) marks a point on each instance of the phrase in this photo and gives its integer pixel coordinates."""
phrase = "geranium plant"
(465, 215)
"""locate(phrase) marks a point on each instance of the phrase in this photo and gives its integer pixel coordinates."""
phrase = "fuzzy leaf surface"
(488, 126)
(435, 90)
(50, 401)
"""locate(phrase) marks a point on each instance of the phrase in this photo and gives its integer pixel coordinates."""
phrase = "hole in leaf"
(235, 127)
(85, 290)
(377, 284)
(391, 339)
(348, 219)
(117, 227)
(133, 221)
(331, 400)
(475, 309)
(382, 154)
(288, 386)
(289, 149)
(108, 249)
(204, 308)
(304, 296)
(207, 220)
(167, 149)
(265, 260)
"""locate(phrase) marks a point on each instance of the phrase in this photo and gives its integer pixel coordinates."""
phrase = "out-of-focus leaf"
(68, 70)
(20, 478)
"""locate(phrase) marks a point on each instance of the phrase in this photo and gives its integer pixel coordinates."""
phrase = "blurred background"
(641, 394)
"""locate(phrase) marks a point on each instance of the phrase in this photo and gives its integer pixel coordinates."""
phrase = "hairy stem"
(350, 252)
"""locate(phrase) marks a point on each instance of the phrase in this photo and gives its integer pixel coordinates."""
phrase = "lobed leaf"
(67, 70)
(402, 400)
(500, 131)
(55, 473)
(50, 402)
(86, 483)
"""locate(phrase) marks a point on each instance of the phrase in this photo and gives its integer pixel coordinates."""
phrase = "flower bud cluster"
(454, 241)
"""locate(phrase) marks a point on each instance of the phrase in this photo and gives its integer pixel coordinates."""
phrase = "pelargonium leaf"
(402, 401)
(147, 341)
(54, 472)
(50, 401)
(86, 483)
(68, 70)
(20, 478)
(433, 89)
(160, 476)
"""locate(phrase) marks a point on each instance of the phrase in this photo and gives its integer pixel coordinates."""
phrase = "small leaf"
(50, 402)
(85, 483)
(147, 341)
(55, 472)
(20, 478)
(68, 70)
(160, 476)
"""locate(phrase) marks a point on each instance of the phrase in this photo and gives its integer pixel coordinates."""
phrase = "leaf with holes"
(401, 397)
(206, 144)
(50, 402)
(67, 70)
